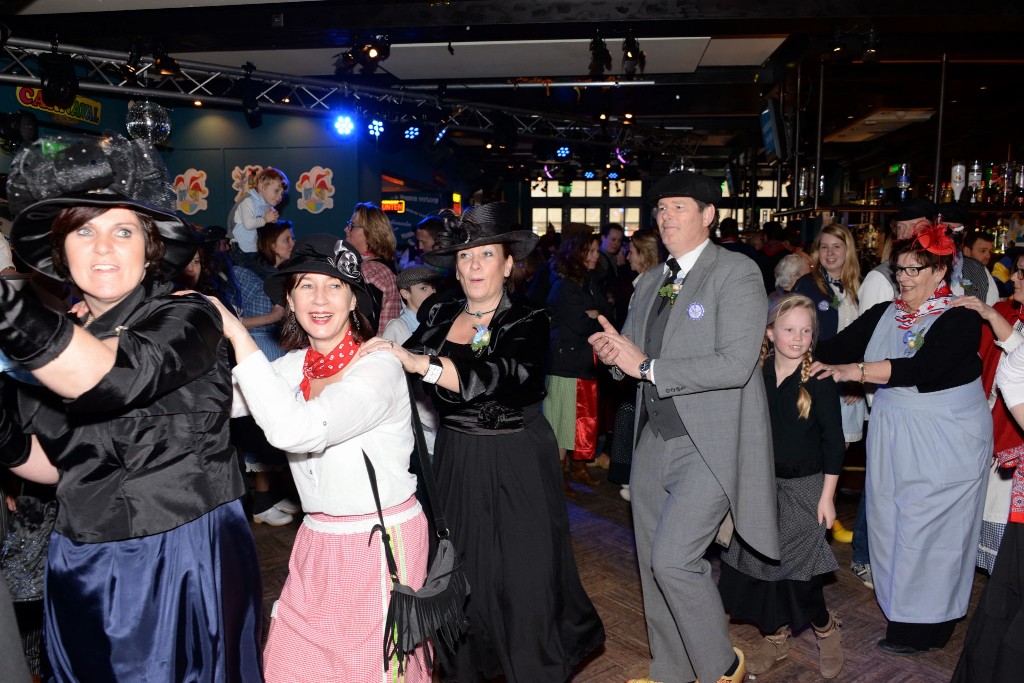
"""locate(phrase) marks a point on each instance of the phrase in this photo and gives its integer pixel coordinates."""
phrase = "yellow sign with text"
(82, 109)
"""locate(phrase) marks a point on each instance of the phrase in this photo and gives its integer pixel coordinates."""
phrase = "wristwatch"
(645, 368)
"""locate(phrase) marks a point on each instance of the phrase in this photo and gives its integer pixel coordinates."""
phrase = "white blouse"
(324, 438)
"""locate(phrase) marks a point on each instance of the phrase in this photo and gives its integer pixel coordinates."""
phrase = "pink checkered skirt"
(328, 625)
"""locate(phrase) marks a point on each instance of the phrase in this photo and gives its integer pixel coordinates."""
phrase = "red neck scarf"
(939, 301)
(319, 366)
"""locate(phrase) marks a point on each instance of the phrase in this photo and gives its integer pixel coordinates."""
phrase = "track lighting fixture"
(58, 79)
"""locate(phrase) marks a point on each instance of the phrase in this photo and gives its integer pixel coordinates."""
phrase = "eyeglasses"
(912, 271)
(352, 226)
(1018, 273)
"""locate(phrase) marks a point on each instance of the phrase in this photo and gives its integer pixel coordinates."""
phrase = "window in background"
(542, 216)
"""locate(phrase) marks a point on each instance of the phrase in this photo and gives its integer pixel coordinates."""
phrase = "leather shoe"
(273, 517)
(741, 669)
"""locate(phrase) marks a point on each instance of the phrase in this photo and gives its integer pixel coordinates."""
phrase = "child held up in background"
(256, 210)
(807, 436)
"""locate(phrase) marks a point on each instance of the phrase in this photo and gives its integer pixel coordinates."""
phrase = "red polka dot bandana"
(318, 365)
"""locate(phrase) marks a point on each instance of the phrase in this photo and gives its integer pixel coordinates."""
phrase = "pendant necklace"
(478, 314)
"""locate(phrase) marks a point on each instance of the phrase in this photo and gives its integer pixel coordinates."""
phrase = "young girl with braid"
(782, 598)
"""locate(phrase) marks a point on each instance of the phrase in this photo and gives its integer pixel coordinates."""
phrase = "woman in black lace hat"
(152, 571)
(482, 359)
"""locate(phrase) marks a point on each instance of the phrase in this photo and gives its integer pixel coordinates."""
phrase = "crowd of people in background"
(719, 376)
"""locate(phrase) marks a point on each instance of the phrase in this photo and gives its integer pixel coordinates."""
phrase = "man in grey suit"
(703, 457)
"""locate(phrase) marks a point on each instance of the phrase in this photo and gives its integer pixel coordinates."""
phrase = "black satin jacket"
(147, 449)
(498, 383)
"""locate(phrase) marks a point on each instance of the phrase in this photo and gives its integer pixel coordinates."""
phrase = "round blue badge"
(695, 311)
(907, 335)
(822, 306)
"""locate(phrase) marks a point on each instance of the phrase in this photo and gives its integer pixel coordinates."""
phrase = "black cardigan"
(804, 446)
(949, 357)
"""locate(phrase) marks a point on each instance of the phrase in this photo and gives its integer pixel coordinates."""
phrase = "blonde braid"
(766, 349)
(803, 401)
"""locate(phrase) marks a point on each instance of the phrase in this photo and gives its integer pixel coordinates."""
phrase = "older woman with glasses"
(928, 447)
(370, 232)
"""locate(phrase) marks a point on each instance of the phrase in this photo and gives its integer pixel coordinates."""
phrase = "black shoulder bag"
(435, 611)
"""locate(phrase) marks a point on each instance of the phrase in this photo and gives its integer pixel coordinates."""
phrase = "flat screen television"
(773, 131)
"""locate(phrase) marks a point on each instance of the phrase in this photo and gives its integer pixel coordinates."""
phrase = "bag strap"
(384, 537)
(426, 466)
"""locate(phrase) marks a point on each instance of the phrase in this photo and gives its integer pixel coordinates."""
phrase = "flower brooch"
(481, 339)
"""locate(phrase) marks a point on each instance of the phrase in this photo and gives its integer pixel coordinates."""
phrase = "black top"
(495, 383)
(145, 450)
(804, 446)
(948, 358)
(569, 353)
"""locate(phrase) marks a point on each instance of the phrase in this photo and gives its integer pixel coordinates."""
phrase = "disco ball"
(148, 121)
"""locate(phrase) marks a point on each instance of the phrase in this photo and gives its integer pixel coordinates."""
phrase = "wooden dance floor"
(603, 541)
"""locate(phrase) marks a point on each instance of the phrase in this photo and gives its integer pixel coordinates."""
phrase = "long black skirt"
(529, 617)
(994, 647)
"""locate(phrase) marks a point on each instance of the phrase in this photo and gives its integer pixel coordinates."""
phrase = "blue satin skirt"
(183, 605)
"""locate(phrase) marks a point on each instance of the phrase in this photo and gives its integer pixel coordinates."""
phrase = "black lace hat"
(492, 223)
(59, 172)
(327, 255)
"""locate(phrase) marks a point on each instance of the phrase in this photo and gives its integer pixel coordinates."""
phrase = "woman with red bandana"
(929, 444)
(326, 406)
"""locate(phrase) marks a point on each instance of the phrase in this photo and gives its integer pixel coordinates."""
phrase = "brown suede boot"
(830, 647)
(772, 649)
(580, 473)
(568, 490)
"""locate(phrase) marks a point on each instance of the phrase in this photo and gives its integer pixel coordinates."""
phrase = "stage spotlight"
(58, 78)
(563, 152)
(441, 132)
(613, 175)
(165, 64)
(343, 124)
(367, 55)
(19, 127)
(600, 58)
(130, 69)
(412, 132)
(633, 58)
(250, 98)
(376, 127)
(589, 175)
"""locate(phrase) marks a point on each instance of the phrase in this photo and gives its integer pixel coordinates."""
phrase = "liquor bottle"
(947, 194)
(1018, 183)
(993, 179)
(974, 181)
(1008, 183)
(959, 179)
(903, 180)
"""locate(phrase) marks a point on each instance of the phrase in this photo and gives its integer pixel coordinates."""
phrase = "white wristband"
(434, 371)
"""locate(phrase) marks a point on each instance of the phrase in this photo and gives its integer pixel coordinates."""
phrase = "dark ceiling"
(710, 114)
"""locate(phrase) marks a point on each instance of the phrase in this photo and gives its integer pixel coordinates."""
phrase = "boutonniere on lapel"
(835, 303)
(671, 290)
(965, 283)
(481, 339)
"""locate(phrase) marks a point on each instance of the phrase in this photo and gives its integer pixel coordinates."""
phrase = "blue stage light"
(343, 124)
(376, 127)
(412, 132)
(562, 152)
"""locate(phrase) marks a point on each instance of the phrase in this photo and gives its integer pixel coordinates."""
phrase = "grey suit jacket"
(707, 365)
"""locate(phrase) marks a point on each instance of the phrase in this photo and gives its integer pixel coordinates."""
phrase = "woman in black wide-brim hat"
(482, 359)
(152, 571)
(325, 406)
